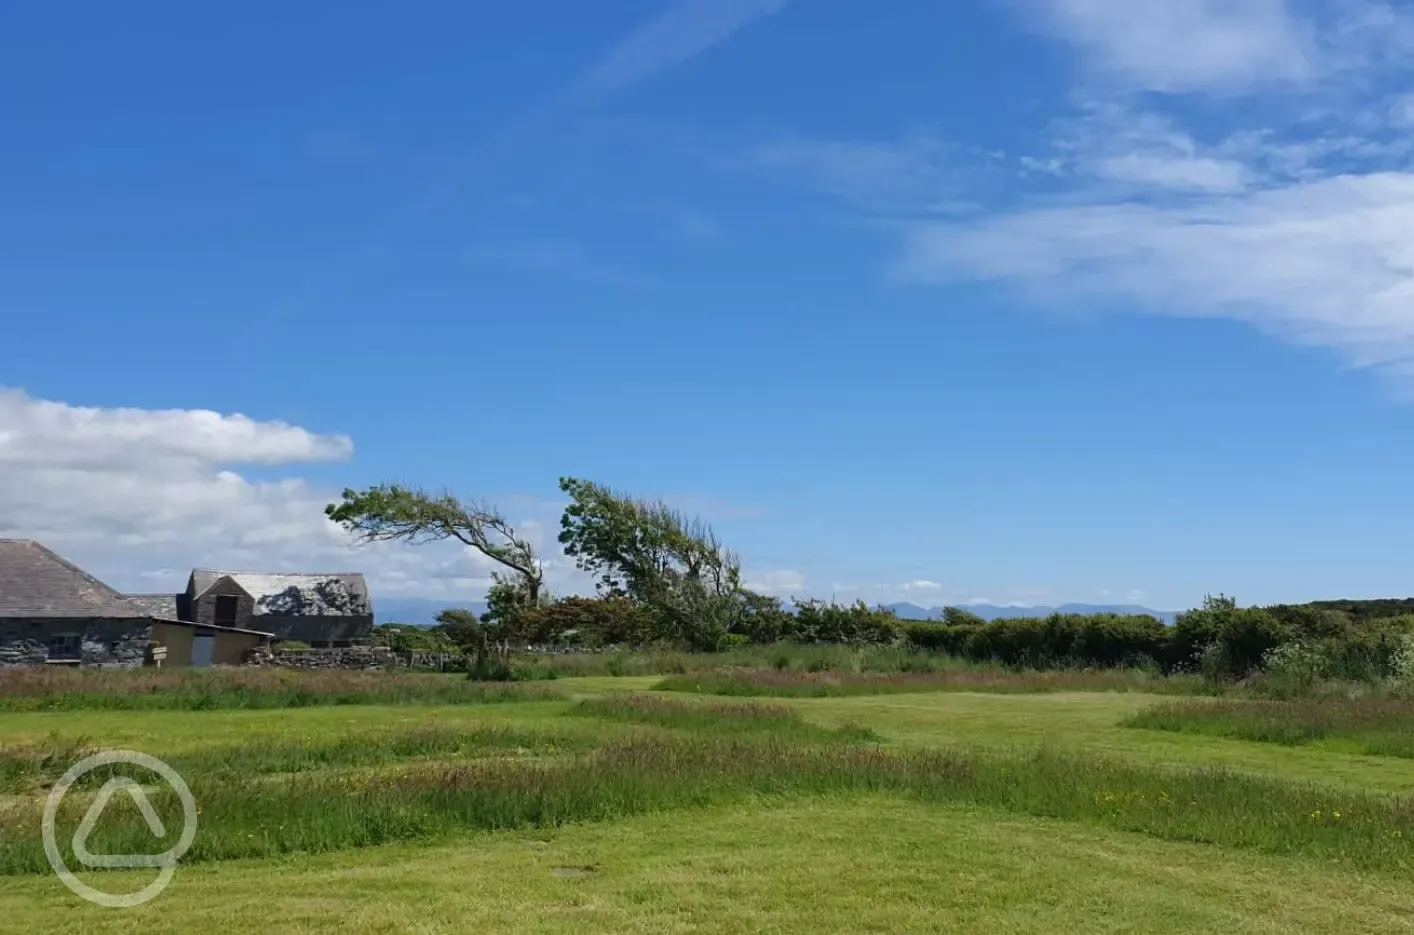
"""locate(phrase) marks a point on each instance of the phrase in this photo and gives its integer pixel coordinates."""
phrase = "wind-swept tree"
(654, 554)
(638, 547)
(392, 513)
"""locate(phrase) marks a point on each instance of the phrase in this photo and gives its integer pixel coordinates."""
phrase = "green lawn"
(871, 865)
(829, 864)
(1093, 722)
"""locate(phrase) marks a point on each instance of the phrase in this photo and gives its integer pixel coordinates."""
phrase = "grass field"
(1375, 726)
(615, 807)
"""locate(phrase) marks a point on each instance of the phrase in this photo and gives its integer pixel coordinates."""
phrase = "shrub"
(490, 669)
(1291, 669)
(854, 624)
(1101, 640)
(590, 621)
(1402, 664)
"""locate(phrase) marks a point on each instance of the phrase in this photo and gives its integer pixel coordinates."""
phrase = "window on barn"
(226, 606)
(64, 647)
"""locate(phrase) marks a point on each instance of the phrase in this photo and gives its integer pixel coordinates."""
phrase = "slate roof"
(332, 594)
(35, 582)
(165, 606)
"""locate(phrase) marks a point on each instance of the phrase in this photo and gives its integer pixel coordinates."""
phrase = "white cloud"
(1115, 143)
(57, 435)
(1290, 208)
(142, 496)
(922, 585)
(780, 583)
(1185, 45)
(682, 32)
(1327, 262)
(1186, 172)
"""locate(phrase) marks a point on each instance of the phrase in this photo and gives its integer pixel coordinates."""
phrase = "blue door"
(202, 645)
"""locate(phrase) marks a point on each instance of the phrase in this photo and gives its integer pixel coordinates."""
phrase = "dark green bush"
(590, 621)
(1102, 640)
(854, 624)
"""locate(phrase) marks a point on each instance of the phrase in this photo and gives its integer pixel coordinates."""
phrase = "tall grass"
(1374, 726)
(24, 767)
(41, 689)
(29, 768)
(313, 813)
(793, 657)
(787, 683)
(781, 722)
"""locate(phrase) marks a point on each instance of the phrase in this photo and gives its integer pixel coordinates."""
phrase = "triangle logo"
(95, 811)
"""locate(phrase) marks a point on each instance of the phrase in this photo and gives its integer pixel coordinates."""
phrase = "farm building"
(52, 611)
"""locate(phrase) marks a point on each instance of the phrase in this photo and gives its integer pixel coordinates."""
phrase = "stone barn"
(324, 610)
(53, 612)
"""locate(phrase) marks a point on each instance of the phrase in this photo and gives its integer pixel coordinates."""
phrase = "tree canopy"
(393, 513)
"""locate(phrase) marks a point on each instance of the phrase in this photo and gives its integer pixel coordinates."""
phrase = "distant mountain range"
(421, 611)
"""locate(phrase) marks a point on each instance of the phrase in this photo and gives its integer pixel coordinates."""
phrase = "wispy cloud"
(1184, 45)
(683, 31)
(1287, 202)
(780, 583)
(1306, 231)
(1327, 262)
(1111, 142)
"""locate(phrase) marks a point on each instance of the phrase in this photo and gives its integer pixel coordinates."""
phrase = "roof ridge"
(114, 592)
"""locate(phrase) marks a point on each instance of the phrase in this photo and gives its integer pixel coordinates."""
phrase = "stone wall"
(103, 641)
(353, 657)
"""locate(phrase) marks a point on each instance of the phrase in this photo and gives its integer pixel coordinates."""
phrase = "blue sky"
(1018, 300)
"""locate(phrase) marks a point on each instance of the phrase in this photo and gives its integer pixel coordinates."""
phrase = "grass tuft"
(248, 817)
(76, 689)
(1372, 726)
(787, 683)
(777, 720)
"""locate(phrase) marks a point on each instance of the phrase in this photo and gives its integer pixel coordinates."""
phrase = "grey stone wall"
(103, 641)
(353, 657)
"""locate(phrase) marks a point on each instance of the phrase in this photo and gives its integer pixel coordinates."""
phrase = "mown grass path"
(825, 866)
(836, 863)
